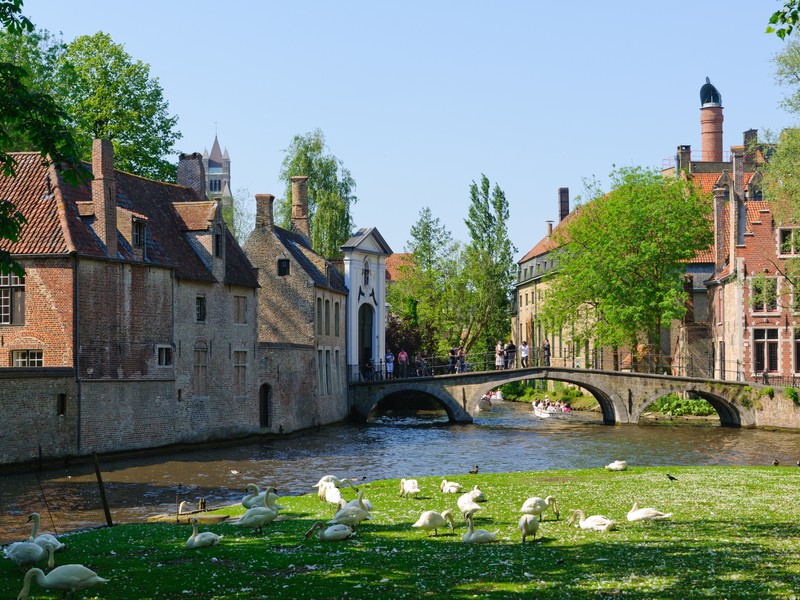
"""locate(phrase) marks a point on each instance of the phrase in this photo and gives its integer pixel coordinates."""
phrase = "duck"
(646, 514)
(477, 495)
(617, 465)
(595, 522)
(474, 470)
(334, 533)
(478, 536)
(409, 487)
(537, 506)
(467, 505)
(254, 496)
(201, 540)
(350, 515)
(66, 578)
(361, 502)
(450, 487)
(430, 519)
(528, 525)
(45, 538)
(26, 554)
(335, 481)
(257, 517)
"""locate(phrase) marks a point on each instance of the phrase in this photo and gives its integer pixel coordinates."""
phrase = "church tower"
(218, 171)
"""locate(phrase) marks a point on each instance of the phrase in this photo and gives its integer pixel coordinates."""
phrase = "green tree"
(783, 21)
(31, 119)
(239, 213)
(787, 74)
(330, 192)
(489, 274)
(622, 255)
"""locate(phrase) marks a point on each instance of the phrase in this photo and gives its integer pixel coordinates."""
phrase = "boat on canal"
(551, 412)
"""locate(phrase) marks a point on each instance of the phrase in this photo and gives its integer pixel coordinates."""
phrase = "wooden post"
(103, 498)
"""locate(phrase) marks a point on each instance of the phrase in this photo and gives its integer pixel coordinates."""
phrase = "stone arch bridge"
(622, 396)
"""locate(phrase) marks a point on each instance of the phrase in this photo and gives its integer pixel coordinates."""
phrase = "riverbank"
(732, 535)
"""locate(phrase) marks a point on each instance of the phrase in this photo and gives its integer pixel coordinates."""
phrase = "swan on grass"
(450, 487)
(27, 554)
(45, 538)
(478, 536)
(66, 578)
(334, 533)
(646, 514)
(350, 515)
(409, 487)
(201, 540)
(477, 494)
(430, 519)
(330, 493)
(528, 525)
(467, 505)
(335, 481)
(617, 465)
(254, 496)
(257, 517)
(360, 502)
(595, 522)
(537, 506)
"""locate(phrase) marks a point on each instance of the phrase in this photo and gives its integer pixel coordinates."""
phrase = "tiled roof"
(394, 262)
(195, 216)
(312, 263)
(238, 269)
(547, 243)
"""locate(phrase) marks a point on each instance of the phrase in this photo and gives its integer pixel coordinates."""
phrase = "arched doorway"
(264, 404)
(366, 318)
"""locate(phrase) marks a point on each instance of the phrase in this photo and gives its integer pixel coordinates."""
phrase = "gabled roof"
(322, 272)
(547, 243)
(367, 239)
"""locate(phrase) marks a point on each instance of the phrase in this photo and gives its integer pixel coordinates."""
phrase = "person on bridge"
(524, 351)
(389, 364)
(460, 365)
(511, 354)
(452, 356)
(500, 356)
(402, 363)
(546, 353)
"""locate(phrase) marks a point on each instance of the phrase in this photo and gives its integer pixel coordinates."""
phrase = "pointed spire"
(216, 153)
(225, 155)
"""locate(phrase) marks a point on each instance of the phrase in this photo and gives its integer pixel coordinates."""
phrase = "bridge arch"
(455, 412)
(728, 412)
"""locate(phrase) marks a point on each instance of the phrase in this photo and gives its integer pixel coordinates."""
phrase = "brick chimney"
(750, 140)
(684, 157)
(563, 203)
(549, 228)
(104, 195)
(719, 226)
(711, 133)
(192, 173)
(300, 205)
(264, 214)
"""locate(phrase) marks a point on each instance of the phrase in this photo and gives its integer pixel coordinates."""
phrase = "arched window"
(319, 316)
(366, 271)
(336, 319)
(327, 317)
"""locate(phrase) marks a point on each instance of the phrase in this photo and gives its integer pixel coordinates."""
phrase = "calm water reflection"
(510, 438)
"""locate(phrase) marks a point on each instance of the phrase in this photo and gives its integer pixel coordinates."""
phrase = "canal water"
(509, 438)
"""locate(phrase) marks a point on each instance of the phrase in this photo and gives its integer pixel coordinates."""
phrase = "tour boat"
(546, 414)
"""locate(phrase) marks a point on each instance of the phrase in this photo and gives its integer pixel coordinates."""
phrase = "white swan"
(201, 540)
(595, 522)
(350, 515)
(450, 487)
(26, 554)
(430, 519)
(478, 536)
(409, 487)
(467, 505)
(361, 502)
(617, 465)
(257, 517)
(45, 538)
(66, 578)
(477, 495)
(330, 493)
(537, 506)
(646, 514)
(254, 496)
(271, 499)
(528, 525)
(331, 534)
(335, 481)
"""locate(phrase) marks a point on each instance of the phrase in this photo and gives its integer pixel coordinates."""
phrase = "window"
(765, 348)
(200, 371)
(365, 272)
(790, 241)
(319, 316)
(214, 185)
(200, 308)
(327, 317)
(165, 356)
(721, 360)
(240, 309)
(283, 267)
(526, 298)
(61, 405)
(138, 233)
(327, 371)
(218, 241)
(756, 194)
(336, 319)
(27, 358)
(764, 295)
(239, 373)
(721, 315)
(12, 300)
(320, 372)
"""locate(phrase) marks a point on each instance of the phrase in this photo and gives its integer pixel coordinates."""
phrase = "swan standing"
(467, 505)
(450, 487)
(201, 540)
(361, 502)
(45, 538)
(409, 487)
(26, 554)
(430, 519)
(537, 506)
(254, 496)
(66, 578)
(333, 533)
(330, 493)
(646, 514)
(478, 536)
(528, 525)
(595, 522)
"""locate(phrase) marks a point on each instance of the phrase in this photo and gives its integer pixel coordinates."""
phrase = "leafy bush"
(793, 394)
(674, 406)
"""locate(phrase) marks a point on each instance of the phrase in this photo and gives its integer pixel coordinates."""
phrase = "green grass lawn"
(734, 534)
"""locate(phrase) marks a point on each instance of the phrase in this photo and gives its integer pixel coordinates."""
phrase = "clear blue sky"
(418, 98)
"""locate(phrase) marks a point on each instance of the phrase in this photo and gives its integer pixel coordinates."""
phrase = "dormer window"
(218, 241)
(366, 272)
(139, 232)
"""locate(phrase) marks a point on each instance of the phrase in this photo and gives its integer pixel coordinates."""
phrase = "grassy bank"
(733, 535)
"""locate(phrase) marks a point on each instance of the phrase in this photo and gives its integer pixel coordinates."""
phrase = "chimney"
(300, 205)
(711, 122)
(684, 157)
(264, 214)
(549, 228)
(563, 203)
(104, 195)
(750, 141)
(192, 173)
(719, 226)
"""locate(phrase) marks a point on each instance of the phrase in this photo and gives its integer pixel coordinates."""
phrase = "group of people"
(455, 358)
(505, 355)
(550, 406)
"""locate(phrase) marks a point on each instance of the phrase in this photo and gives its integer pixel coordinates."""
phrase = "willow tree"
(622, 256)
